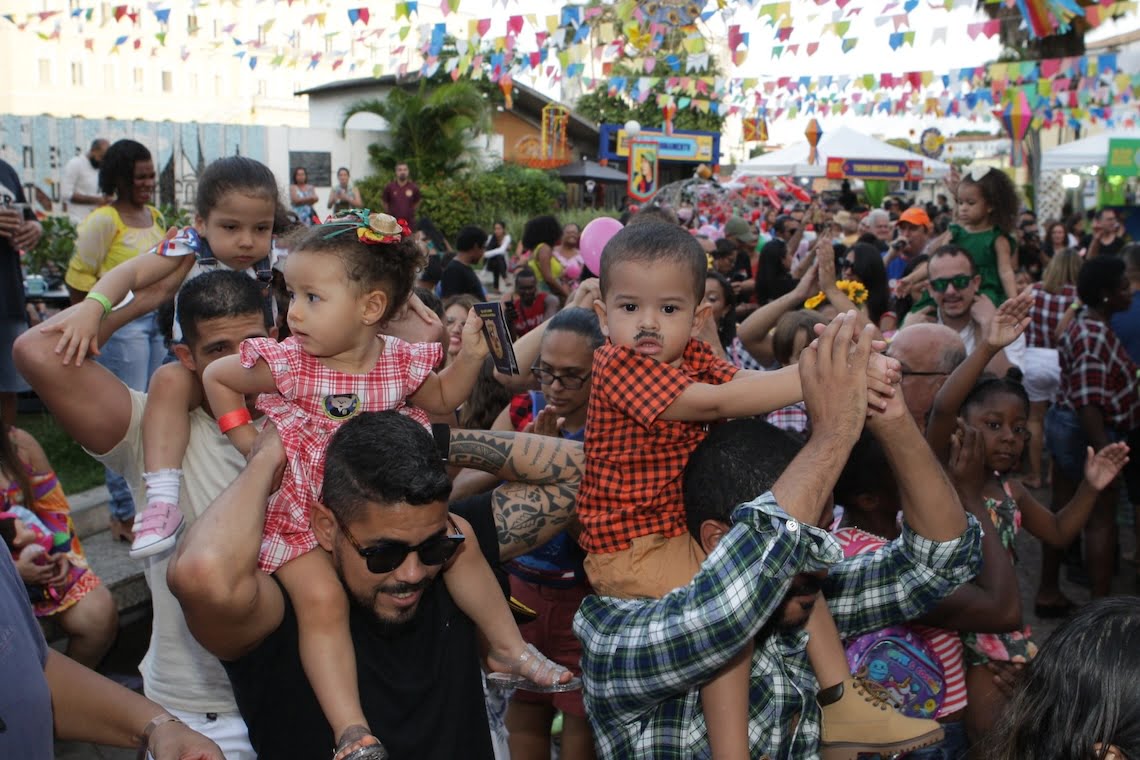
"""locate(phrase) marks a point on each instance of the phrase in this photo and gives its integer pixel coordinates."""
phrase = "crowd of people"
(754, 492)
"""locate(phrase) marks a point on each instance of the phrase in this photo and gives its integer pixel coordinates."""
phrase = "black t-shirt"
(420, 689)
(11, 276)
(1113, 248)
(458, 278)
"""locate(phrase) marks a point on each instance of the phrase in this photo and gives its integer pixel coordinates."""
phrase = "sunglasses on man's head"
(960, 282)
(385, 555)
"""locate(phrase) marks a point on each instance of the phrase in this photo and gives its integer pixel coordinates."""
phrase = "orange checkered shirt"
(634, 461)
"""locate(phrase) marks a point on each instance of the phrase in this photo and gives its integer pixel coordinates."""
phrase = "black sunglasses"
(385, 556)
(569, 382)
(959, 281)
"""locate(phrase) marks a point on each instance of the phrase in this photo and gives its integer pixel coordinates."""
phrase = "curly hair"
(390, 267)
(989, 386)
(1000, 195)
(117, 172)
(541, 229)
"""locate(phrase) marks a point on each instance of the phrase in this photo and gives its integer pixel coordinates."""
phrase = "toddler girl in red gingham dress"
(346, 278)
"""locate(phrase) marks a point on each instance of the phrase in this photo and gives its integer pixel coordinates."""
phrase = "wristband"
(1075, 306)
(234, 419)
(158, 720)
(103, 301)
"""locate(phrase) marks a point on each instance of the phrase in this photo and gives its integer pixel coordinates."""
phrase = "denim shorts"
(10, 380)
(1067, 443)
(954, 746)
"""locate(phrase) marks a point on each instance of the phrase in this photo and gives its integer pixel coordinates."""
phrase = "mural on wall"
(39, 147)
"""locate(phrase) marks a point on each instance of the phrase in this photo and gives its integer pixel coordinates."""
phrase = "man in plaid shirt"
(644, 660)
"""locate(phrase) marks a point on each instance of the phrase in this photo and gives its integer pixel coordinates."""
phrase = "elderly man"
(928, 354)
(878, 224)
(644, 660)
(953, 285)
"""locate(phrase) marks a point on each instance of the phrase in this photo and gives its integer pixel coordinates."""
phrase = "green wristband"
(103, 301)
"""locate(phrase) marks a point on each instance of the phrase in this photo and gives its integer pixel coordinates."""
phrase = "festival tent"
(841, 142)
(1091, 151)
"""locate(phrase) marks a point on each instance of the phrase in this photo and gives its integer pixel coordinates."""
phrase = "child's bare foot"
(358, 743)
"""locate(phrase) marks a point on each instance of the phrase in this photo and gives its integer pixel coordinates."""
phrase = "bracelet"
(158, 720)
(103, 301)
(234, 419)
(1075, 306)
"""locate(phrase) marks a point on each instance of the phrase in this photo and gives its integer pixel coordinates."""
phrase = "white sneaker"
(156, 529)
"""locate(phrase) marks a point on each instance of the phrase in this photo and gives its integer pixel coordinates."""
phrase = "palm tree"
(430, 130)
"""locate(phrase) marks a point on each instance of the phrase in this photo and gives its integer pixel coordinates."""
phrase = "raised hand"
(474, 344)
(808, 285)
(1009, 321)
(967, 460)
(546, 422)
(833, 371)
(1102, 467)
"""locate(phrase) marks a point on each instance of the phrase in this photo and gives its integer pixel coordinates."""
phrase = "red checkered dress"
(634, 461)
(1048, 309)
(1096, 371)
(311, 402)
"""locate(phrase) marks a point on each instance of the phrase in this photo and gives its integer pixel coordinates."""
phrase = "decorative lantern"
(813, 133)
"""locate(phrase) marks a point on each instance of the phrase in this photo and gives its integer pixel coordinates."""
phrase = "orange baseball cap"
(916, 216)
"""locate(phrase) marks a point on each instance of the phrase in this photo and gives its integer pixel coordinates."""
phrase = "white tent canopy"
(1091, 151)
(841, 142)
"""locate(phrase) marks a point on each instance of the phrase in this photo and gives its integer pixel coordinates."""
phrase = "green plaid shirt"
(643, 660)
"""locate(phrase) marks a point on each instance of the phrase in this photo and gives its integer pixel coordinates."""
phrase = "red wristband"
(236, 418)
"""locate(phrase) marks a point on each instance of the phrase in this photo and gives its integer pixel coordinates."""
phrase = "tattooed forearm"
(535, 459)
(527, 516)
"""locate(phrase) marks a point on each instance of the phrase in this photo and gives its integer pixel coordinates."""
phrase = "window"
(262, 87)
(138, 75)
(45, 71)
(217, 85)
(167, 81)
(193, 84)
(192, 24)
(76, 74)
(108, 75)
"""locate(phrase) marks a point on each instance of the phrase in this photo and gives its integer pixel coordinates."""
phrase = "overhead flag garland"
(582, 42)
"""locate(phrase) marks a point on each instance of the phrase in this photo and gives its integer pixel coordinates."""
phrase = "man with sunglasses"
(953, 284)
(383, 517)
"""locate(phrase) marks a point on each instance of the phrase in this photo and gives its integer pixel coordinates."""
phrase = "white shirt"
(79, 176)
(1014, 352)
(177, 672)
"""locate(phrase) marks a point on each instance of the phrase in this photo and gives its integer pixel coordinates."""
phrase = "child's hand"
(1103, 467)
(883, 376)
(79, 332)
(584, 297)
(474, 344)
(1009, 321)
(967, 461)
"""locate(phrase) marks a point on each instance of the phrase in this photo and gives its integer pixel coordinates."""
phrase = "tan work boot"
(857, 719)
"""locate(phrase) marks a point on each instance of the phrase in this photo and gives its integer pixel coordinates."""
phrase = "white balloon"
(632, 128)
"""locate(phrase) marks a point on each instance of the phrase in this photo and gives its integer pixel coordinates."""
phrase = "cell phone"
(442, 435)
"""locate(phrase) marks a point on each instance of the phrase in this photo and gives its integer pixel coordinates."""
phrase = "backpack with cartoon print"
(900, 665)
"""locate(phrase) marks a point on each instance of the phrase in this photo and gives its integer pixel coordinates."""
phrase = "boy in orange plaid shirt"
(654, 390)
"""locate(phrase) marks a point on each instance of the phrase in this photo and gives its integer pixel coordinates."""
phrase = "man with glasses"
(383, 517)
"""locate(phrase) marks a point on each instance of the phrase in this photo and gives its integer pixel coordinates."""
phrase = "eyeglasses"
(847, 264)
(569, 382)
(959, 281)
(385, 556)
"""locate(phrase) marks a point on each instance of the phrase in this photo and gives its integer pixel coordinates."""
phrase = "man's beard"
(95, 163)
(385, 626)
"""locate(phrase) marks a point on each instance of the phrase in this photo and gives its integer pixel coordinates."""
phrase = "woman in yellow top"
(107, 237)
(540, 236)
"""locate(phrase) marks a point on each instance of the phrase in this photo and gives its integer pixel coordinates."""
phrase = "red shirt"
(401, 200)
(634, 461)
(529, 317)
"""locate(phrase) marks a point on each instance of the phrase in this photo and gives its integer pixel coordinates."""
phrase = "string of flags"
(581, 38)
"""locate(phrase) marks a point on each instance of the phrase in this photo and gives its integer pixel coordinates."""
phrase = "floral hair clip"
(371, 229)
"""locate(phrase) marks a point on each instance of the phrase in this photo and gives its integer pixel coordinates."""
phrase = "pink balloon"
(594, 237)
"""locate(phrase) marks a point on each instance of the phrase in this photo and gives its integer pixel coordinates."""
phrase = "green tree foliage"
(604, 108)
(429, 127)
(477, 197)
